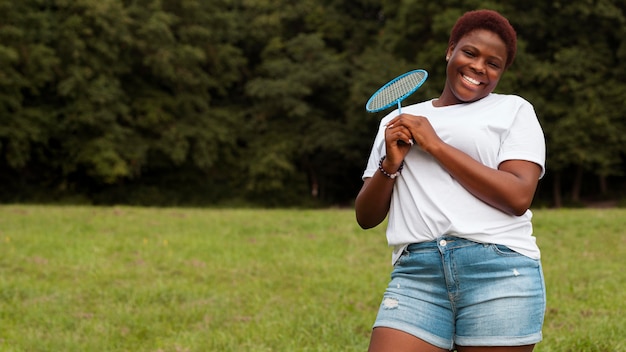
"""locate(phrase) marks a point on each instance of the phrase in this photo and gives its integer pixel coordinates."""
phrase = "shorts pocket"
(407, 258)
(504, 251)
(403, 258)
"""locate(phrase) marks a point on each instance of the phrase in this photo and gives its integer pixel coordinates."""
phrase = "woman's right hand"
(398, 143)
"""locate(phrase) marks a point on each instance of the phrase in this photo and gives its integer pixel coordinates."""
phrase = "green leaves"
(259, 98)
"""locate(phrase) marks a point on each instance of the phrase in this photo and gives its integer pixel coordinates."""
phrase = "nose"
(479, 66)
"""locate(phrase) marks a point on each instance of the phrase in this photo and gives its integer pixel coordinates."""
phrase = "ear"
(449, 52)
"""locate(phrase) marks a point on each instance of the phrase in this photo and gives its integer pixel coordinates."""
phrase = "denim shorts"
(454, 291)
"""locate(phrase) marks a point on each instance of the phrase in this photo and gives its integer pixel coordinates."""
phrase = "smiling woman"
(481, 47)
(475, 65)
(467, 271)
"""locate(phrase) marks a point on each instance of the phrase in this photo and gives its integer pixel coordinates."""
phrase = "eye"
(468, 53)
(494, 65)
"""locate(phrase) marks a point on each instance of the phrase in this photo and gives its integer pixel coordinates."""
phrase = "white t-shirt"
(428, 203)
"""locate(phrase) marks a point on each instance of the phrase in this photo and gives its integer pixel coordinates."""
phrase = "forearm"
(372, 202)
(510, 188)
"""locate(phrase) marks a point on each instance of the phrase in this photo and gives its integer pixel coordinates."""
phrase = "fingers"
(416, 128)
(398, 133)
(399, 119)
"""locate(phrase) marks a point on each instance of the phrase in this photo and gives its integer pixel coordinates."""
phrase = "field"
(177, 279)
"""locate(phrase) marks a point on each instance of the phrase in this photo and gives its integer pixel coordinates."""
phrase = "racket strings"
(396, 90)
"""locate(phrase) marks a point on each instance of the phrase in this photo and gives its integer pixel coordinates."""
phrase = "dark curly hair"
(491, 21)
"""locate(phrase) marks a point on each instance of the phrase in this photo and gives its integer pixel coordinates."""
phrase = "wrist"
(384, 169)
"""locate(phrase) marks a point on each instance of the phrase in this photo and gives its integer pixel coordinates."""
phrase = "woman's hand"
(398, 142)
(406, 130)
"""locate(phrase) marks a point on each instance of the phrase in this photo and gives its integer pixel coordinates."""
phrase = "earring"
(447, 58)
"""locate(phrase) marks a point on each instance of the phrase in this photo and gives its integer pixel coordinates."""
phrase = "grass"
(145, 279)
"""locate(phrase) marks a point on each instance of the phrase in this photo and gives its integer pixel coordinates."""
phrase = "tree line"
(233, 102)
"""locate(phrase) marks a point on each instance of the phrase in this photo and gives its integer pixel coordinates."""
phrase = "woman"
(456, 176)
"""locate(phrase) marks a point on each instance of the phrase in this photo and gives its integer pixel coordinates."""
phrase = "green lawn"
(148, 279)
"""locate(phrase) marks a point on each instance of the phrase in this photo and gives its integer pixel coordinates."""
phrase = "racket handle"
(399, 107)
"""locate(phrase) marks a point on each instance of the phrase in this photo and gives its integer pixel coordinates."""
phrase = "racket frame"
(399, 100)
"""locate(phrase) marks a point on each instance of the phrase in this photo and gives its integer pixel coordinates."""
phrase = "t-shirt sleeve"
(378, 150)
(525, 140)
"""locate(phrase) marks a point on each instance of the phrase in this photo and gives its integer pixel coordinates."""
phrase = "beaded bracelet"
(391, 176)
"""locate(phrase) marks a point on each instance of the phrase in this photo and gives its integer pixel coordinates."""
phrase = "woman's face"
(475, 65)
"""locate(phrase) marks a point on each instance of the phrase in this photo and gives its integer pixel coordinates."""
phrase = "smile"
(471, 80)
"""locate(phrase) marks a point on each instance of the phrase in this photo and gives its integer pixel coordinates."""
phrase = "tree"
(192, 101)
(27, 67)
(576, 81)
(298, 93)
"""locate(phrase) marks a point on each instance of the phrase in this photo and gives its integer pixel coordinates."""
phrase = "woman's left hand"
(418, 128)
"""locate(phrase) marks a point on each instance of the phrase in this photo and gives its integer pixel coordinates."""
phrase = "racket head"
(396, 90)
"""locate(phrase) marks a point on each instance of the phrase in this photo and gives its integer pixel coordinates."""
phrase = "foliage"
(262, 101)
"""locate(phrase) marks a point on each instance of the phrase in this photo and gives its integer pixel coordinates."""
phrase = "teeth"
(471, 80)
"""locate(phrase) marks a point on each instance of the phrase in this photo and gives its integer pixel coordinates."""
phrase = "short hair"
(491, 21)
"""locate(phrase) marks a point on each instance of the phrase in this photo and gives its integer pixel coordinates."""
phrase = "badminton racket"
(396, 90)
